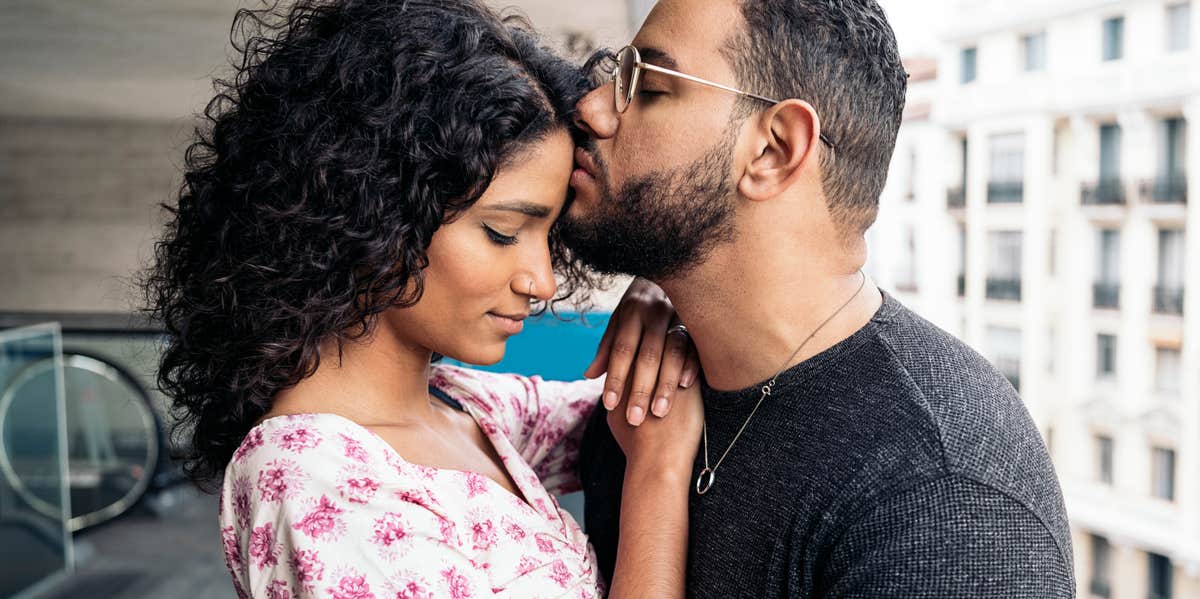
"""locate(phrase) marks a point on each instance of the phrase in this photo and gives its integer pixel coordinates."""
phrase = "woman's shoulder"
(304, 442)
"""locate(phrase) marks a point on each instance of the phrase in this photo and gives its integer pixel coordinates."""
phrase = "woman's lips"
(509, 324)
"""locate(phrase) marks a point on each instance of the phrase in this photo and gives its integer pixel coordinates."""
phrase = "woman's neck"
(378, 379)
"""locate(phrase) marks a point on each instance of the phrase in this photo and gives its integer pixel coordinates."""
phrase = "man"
(852, 448)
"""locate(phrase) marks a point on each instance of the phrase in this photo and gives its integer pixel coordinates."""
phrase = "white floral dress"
(315, 505)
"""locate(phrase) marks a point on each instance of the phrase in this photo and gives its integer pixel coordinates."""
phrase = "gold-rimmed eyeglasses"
(628, 74)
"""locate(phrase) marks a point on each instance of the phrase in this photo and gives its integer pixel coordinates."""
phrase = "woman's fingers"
(621, 353)
(646, 368)
(670, 375)
(603, 350)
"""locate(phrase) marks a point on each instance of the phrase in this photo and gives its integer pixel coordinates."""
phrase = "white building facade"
(1040, 206)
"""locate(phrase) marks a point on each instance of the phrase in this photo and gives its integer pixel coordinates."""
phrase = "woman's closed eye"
(498, 237)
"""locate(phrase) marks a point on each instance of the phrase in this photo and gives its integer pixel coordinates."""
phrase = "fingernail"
(610, 400)
(636, 415)
(660, 407)
(687, 380)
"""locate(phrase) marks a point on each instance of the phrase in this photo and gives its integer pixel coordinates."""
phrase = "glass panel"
(1104, 459)
(1179, 26)
(1114, 38)
(1164, 473)
(969, 57)
(1169, 369)
(34, 504)
(1035, 52)
(1110, 152)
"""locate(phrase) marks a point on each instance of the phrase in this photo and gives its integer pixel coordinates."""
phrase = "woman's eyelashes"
(498, 237)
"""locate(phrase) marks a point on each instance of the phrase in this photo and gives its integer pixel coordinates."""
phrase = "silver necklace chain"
(707, 477)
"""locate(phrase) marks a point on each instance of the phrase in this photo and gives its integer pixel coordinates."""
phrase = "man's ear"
(786, 139)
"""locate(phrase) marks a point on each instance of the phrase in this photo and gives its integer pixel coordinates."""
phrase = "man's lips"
(584, 162)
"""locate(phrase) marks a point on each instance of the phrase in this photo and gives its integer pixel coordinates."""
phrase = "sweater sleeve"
(949, 537)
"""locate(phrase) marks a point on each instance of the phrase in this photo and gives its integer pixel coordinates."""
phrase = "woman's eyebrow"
(526, 208)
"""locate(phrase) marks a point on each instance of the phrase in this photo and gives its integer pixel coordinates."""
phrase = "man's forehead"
(688, 33)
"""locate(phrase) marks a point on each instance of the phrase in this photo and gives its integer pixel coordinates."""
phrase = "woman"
(380, 187)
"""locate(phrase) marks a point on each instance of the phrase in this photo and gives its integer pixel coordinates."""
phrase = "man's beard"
(659, 225)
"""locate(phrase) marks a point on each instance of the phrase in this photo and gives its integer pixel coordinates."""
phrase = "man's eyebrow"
(526, 208)
(658, 57)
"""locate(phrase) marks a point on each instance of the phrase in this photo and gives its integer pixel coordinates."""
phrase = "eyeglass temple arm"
(649, 67)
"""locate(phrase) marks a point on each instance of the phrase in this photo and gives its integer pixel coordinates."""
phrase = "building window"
(1114, 38)
(1159, 577)
(1179, 26)
(1034, 49)
(1109, 189)
(1168, 370)
(1168, 293)
(962, 260)
(1004, 265)
(1005, 347)
(1104, 459)
(906, 276)
(1106, 288)
(1106, 355)
(1006, 182)
(969, 58)
(1163, 473)
(1052, 265)
(1169, 185)
(1101, 559)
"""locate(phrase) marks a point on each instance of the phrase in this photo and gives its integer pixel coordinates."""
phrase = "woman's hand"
(659, 454)
(641, 359)
(664, 445)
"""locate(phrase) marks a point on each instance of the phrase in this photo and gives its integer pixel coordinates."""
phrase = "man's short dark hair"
(841, 57)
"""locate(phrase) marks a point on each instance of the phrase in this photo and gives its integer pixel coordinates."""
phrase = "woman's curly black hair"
(350, 131)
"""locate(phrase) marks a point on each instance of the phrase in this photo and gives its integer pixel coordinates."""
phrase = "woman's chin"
(480, 355)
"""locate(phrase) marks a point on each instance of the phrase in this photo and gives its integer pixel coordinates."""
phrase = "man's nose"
(594, 113)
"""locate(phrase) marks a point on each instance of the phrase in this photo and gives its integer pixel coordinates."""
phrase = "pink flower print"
(307, 567)
(560, 574)
(278, 589)
(322, 521)
(448, 530)
(263, 551)
(476, 484)
(456, 584)
(544, 543)
(528, 564)
(358, 490)
(241, 501)
(253, 441)
(280, 479)
(233, 551)
(413, 589)
(353, 449)
(296, 438)
(513, 530)
(483, 531)
(389, 528)
(352, 587)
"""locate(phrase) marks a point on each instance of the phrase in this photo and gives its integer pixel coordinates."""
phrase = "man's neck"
(748, 310)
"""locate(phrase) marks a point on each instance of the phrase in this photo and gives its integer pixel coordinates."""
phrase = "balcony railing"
(956, 197)
(1100, 588)
(1004, 289)
(1168, 299)
(1108, 192)
(1005, 192)
(1165, 190)
(1011, 369)
(1106, 295)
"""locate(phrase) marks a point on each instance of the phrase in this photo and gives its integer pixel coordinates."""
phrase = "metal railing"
(1106, 192)
(1004, 289)
(1106, 295)
(1005, 192)
(1165, 190)
(1168, 299)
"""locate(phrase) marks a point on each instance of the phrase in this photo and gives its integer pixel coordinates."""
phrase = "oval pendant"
(705, 481)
